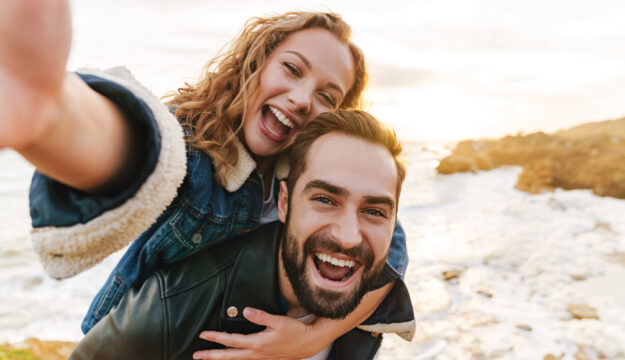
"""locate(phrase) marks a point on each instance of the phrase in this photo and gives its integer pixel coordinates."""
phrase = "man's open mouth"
(276, 124)
(334, 270)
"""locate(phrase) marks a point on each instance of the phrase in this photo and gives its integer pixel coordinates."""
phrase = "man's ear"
(283, 201)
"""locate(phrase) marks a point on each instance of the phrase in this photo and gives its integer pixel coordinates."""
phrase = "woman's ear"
(283, 201)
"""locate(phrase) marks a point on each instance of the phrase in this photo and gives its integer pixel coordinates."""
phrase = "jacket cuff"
(394, 315)
(68, 250)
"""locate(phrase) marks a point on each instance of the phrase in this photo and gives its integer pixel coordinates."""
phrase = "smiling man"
(337, 212)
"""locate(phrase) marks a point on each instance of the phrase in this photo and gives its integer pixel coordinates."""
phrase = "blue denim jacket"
(201, 215)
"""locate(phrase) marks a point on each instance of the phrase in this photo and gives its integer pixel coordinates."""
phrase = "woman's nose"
(301, 100)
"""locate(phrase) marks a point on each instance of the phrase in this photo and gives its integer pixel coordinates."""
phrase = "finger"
(224, 354)
(230, 340)
(263, 318)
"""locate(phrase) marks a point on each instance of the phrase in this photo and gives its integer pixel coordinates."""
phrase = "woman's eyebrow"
(302, 57)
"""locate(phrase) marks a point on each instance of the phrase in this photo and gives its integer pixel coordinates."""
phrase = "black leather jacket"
(162, 319)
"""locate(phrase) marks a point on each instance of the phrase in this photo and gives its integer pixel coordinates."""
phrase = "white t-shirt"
(323, 355)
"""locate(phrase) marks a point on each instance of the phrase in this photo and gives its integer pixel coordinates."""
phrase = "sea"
(514, 264)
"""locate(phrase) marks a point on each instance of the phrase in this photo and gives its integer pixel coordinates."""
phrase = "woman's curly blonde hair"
(212, 108)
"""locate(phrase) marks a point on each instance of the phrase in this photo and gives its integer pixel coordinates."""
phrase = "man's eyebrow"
(320, 184)
(309, 66)
(380, 200)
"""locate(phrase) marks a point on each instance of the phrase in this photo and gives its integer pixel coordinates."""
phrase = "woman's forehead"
(322, 53)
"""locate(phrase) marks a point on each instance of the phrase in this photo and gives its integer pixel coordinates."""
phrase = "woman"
(242, 113)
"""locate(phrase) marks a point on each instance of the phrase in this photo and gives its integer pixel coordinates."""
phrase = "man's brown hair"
(356, 123)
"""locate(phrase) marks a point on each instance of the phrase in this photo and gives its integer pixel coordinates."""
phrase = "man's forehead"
(351, 163)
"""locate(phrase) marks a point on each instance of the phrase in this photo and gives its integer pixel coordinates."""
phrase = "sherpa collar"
(233, 178)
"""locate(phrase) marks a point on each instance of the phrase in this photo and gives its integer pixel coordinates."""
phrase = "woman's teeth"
(334, 261)
(281, 117)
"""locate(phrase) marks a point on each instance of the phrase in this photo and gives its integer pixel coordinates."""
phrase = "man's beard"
(323, 302)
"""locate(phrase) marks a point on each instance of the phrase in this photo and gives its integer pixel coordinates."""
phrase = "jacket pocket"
(195, 230)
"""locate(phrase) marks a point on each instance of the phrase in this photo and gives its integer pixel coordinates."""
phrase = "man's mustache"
(318, 242)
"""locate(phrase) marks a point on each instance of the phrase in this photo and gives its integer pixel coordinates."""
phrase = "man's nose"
(346, 230)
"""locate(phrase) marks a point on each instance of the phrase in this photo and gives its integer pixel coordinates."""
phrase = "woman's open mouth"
(274, 124)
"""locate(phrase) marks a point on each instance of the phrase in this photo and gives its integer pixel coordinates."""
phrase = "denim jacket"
(176, 208)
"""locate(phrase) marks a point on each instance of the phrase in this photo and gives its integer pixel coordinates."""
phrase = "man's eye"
(376, 212)
(323, 200)
(292, 69)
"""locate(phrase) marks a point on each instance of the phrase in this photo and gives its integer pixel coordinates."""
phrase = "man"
(337, 212)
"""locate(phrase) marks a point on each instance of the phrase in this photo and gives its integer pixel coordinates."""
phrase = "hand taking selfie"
(35, 37)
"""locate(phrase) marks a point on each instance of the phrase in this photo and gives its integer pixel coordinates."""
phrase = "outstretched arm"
(287, 338)
(51, 117)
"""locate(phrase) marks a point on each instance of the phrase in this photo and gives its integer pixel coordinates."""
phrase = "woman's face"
(307, 74)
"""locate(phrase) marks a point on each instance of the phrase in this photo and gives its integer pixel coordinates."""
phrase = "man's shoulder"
(215, 262)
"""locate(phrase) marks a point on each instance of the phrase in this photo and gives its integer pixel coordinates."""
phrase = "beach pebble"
(581, 355)
(582, 311)
(552, 357)
(451, 274)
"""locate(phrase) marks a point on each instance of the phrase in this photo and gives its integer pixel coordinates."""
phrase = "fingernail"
(248, 312)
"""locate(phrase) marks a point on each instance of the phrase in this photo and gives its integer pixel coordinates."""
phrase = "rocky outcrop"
(589, 156)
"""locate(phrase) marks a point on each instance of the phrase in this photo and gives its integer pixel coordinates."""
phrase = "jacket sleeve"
(395, 314)
(72, 230)
(133, 330)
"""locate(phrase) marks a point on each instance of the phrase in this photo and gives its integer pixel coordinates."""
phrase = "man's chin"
(329, 303)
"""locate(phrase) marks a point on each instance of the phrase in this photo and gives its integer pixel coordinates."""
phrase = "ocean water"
(521, 259)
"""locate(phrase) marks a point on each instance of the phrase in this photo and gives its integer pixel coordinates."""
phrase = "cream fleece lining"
(405, 330)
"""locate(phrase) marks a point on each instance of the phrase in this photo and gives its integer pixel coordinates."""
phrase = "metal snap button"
(196, 238)
(232, 311)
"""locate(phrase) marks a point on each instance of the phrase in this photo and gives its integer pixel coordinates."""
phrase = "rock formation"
(588, 156)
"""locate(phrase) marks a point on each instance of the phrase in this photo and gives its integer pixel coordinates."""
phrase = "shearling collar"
(233, 178)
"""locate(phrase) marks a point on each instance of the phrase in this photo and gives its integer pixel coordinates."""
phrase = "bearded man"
(337, 211)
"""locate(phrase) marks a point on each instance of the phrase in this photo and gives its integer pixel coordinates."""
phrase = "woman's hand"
(35, 37)
(284, 338)
(51, 117)
(287, 338)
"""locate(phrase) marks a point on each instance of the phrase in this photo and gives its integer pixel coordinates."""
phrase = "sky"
(440, 70)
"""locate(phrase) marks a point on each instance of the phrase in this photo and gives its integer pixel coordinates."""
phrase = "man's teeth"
(335, 261)
(281, 117)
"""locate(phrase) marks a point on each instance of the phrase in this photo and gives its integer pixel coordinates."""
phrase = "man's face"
(341, 216)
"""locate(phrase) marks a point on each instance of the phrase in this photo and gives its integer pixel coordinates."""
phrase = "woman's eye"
(292, 69)
(328, 99)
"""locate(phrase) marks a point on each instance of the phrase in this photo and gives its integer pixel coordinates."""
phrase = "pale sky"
(441, 69)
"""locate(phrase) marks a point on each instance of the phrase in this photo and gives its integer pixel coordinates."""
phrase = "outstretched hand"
(35, 37)
(284, 338)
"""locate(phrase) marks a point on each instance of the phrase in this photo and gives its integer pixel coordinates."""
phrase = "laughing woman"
(117, 167)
